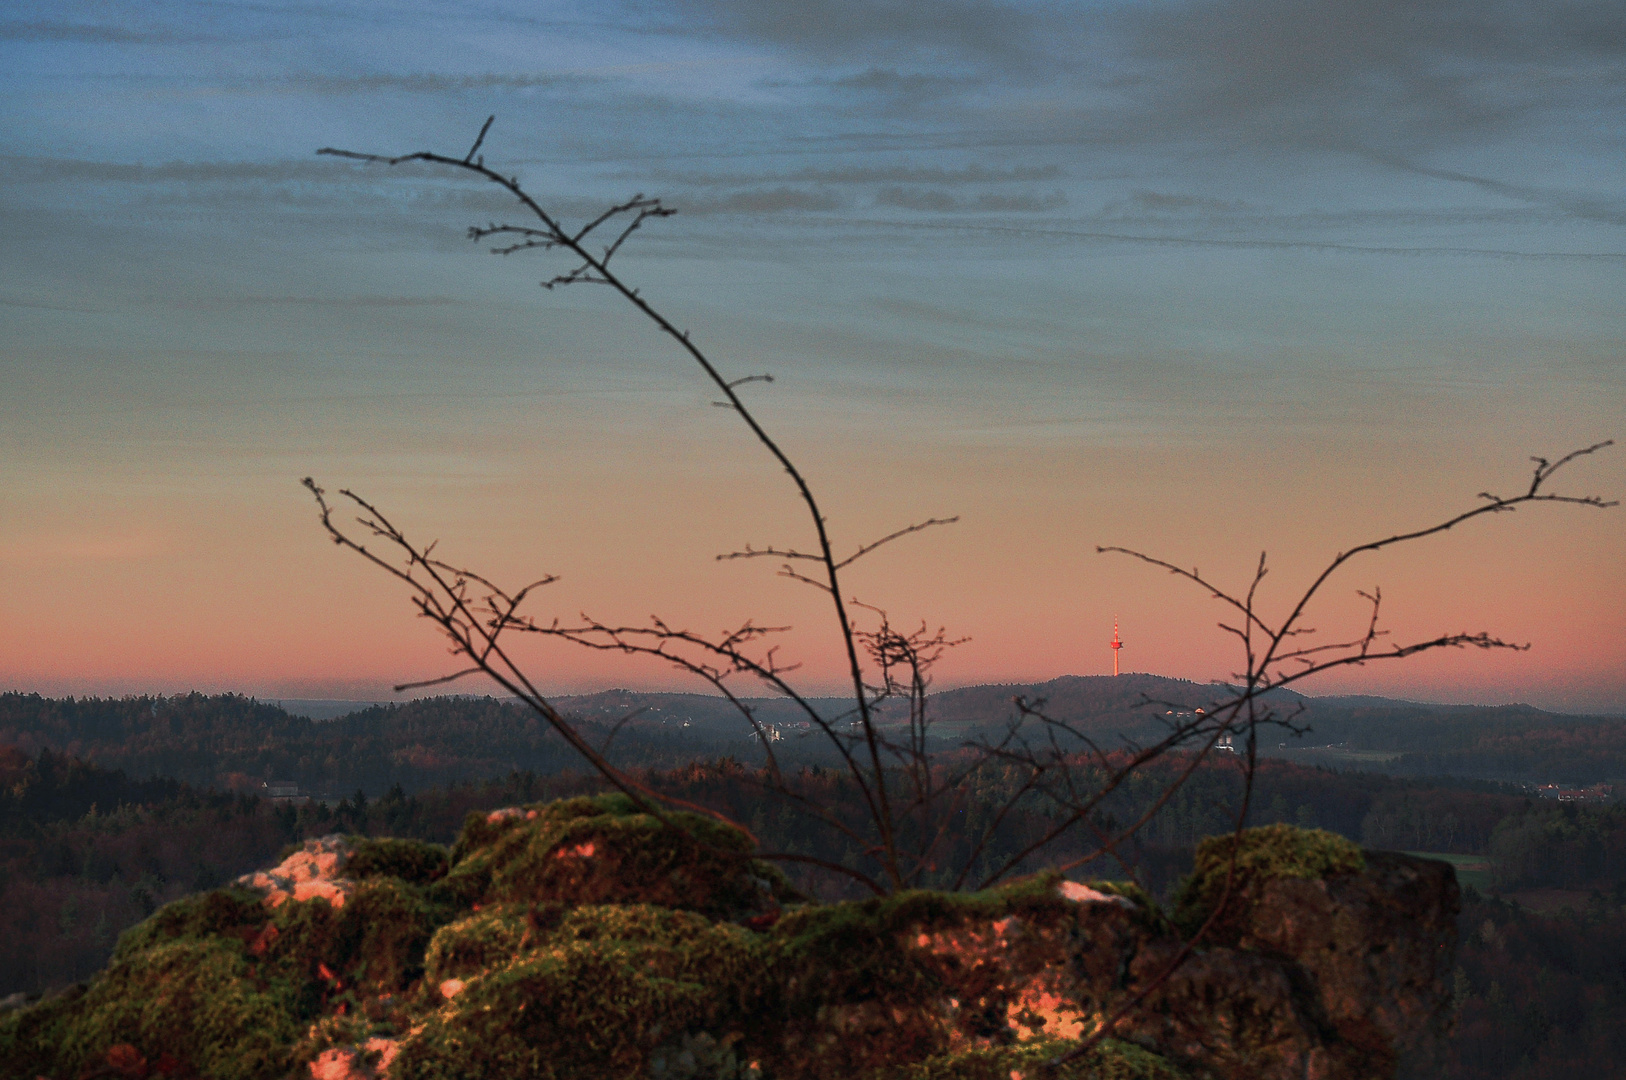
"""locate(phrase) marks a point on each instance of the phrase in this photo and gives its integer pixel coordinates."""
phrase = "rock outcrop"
(585, 939)
(311, 872)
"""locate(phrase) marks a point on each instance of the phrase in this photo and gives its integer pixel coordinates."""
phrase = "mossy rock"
(585, 939)
(1112, 1060)
(221, 912)
(855, 946)
(226, 987)
(31, 1038)
(604, 850)
(881, 983)
(414, 861)
(386, 928)
(1266, 854)
(591, 996)
(198, 1002)
(375, 942)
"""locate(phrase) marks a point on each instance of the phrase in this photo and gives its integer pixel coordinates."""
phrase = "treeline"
(1538, 997)
(85, 853)
(1515, 743)
(54, 786)
(1566, 846)
(230, 742)
(1578, 754)
(70, 884)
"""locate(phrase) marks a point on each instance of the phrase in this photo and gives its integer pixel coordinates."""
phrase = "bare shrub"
(911, 793)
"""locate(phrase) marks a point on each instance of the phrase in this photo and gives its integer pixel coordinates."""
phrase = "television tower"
(1116, 644)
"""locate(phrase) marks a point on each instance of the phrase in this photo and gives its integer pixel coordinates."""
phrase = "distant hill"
(1103, 702)
(325, 708)
(231, 741)
(1130, 703)
(1517, 743)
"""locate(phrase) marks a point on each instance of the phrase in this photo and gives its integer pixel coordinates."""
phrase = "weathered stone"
(313, 872)
(602, 850)
(1310, 978)
(1371, 951)
(583, 939)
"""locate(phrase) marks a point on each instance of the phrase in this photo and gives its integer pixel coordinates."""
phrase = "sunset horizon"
(1197, 284)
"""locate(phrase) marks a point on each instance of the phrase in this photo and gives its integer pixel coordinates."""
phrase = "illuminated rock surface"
(581, 939)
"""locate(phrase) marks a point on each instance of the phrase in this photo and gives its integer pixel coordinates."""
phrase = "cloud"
(888, 81)
(331, 301)
(765, 201)
(424, 82)
(882, 174)
(1156, 202)
(1266, 244)
(983, 29)
(1296, 75)
(889, 88)
(6, 301)
(86, 547)
(56, 170)
(1337, 73)
(88, 34)
(942, 202)
(1609, 210)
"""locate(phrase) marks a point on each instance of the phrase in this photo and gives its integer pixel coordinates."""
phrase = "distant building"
(1595, 793)
(281, 791)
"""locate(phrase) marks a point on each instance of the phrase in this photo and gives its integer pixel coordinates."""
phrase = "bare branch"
(867, 548)
(485, 127)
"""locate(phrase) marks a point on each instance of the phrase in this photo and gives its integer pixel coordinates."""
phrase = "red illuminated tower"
(1116, 644)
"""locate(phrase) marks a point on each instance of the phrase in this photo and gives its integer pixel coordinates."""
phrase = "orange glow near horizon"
(1306, 297)
(151, 595)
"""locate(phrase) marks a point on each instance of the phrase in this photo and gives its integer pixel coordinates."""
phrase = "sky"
(1202, 278)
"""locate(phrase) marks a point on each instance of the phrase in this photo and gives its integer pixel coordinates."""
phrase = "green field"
(1472, 870)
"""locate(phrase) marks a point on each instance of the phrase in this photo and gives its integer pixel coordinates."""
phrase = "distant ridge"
(323, 708)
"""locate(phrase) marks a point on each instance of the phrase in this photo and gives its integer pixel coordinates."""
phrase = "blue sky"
(1207, 277)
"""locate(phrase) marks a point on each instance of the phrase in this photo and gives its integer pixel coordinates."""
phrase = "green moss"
(32, 1038)
(375, 942)
(854, 986)
(589, 940)
(592, 996)
(1266, 854)
(854, 947)
(387, 926)
(413, 861)
(727, 955)
(470, 945)
(1112, 1060)
(603, 850)
(197, 1001)
(233, 912)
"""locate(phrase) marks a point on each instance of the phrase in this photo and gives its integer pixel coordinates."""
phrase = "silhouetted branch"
(903, 792)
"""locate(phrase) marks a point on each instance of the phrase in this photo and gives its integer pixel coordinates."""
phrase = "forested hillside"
(233, 742)
(229, 742)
